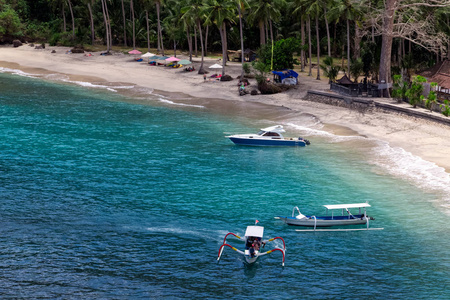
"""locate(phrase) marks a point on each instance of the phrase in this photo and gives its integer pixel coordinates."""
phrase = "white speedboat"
(345, 218)
(253, 244)
(270, 136)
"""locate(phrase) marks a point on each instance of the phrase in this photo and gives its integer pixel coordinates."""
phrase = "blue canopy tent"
(285, 76)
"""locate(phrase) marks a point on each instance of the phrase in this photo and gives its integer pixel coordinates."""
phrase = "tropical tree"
(195, 10)
(160, 43)
(347, 10)
(329, 69)
(218, 12)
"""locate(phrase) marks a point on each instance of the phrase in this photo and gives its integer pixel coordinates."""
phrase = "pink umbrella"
(134, 52)
(173, 58)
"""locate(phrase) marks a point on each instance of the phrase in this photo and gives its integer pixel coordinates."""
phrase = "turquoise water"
(103, 198)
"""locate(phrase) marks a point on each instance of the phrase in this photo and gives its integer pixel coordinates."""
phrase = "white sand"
(428, 140)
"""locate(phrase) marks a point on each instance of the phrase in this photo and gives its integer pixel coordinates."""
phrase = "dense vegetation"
(371, 37)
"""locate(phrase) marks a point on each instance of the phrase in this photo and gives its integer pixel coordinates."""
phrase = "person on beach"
(204, 77)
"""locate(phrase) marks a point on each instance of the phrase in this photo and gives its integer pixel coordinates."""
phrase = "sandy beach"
(425, 139)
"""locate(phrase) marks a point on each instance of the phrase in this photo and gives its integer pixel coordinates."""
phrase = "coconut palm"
(195, 10)
(329, 69)
(263, 12)
(218, 12)
(349, 11)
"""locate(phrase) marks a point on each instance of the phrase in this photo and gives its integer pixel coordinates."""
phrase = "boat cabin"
(273, 132)
(253, 239)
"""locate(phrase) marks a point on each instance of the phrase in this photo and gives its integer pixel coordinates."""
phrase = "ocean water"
(104, 196)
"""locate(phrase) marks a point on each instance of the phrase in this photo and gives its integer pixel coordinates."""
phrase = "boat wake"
(397, 162)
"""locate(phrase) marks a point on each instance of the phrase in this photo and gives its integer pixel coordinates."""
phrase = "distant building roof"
(344, 80)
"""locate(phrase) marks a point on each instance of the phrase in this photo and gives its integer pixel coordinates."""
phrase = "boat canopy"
(256, 231)
(344, 206)
(276, 128)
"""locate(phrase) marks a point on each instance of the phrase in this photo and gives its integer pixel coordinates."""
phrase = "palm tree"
(195, 10)
(160, 39)
(315, 10)
(347, 10)
(263, 12)
(329, 69)
(218, 12)
(73, 19)
(241, 5)
(124, 25)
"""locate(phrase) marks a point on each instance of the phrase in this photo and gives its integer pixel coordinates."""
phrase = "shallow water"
(108, 197)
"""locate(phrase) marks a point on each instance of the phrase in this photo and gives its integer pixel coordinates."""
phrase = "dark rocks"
(17, 43)
(77, 49)
(254, 92)
(226, 78)
(268, 88)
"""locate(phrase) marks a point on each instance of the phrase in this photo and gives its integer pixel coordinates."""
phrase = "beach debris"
(226, 78)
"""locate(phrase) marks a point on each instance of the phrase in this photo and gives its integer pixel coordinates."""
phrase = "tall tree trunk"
(73, 19)
(386, 43)
(242, 40)
(124, 25)
(348, 46)
(262, 35)
(109, 27)
(105, 9)
(148, 31)
(92, 24)
(271, 29)
(174, 48)
(309, 47)
(302, 52)
(189, 39)
(448, 43)
(134, 23)
(357, 53)
(318, 47)
(195, 39)
(266, 26)
(328, 31)
(222, 37)
(225, 40)
(159, 29)
(64, 17)
(206, 40)
(201, 70)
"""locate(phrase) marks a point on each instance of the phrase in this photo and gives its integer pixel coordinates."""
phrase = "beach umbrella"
(148, 55)
(184, 62)
(163, 57)
(134, 52)
(173, 58)
(154, 57)
(216, 66)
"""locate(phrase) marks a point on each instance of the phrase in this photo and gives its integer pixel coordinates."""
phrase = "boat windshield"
(271, 133)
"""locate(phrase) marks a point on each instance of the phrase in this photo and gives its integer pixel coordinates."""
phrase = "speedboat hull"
(267, 142)
(325, 221)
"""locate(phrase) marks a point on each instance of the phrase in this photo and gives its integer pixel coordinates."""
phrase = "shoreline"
(422, 138)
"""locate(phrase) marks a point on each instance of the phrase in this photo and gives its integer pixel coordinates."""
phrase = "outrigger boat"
(253, 241)
(346, 218)
(270, 136)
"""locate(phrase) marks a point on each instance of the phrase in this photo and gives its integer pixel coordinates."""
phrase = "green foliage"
(37, 31)
(414, 93)
(368, 58)
(10, 24)
(356, 68)
(283, 54)
(262, 69)
(329, 69)
(445, 108)
(432, 97)
(399, 88)
(246, 68)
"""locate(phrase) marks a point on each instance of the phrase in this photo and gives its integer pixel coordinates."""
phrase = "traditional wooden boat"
(253, 242)
(270, 136)
(346, 218)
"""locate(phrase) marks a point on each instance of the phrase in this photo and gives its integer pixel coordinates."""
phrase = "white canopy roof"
(343, 206)
(148, 54)
(256, 231)
(276, 128)
(216, 66)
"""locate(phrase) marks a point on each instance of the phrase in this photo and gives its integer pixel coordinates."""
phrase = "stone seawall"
(379, 104)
